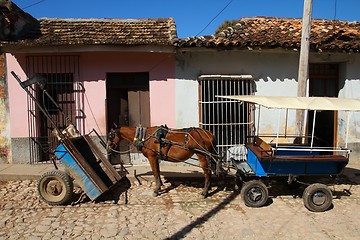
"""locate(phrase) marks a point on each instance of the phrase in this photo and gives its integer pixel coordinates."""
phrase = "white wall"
(275, 74)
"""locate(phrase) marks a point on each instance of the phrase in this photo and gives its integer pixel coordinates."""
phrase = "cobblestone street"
(179, 213)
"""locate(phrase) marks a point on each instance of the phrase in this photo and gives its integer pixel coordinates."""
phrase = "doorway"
(323, 82)
(128, 103)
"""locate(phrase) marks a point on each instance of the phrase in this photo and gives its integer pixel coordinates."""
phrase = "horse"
(173, 145)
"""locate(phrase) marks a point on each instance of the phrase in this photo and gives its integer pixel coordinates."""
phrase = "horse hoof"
(155, 194)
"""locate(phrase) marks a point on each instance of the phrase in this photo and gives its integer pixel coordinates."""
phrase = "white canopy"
(309, 103)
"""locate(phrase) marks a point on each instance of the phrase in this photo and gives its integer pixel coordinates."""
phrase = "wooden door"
(324, 82)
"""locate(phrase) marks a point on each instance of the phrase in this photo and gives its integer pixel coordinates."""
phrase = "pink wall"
(17, 97)
(93, 68)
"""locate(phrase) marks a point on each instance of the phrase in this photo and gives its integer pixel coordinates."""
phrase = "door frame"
(325, 73)
(124, 82)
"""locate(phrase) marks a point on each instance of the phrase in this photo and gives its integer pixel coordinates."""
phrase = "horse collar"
(139, 137)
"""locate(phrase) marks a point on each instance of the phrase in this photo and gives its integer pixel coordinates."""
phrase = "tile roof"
(270, 33)
(56, 32)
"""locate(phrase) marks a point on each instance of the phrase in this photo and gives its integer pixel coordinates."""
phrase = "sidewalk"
(14, 172)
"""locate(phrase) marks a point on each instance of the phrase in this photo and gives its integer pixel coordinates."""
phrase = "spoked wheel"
(317, 197)
(55, 187)
(254, 193)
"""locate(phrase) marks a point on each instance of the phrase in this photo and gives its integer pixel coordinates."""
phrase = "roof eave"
(87, 48)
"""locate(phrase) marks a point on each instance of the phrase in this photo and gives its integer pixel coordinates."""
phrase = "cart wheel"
(254, 193)
(317, 197)
(55, 187)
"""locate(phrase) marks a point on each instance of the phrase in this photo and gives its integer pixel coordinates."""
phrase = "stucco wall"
(93, 67)
(174, 94)
(275, 74)
(161, 73)
(5, 156)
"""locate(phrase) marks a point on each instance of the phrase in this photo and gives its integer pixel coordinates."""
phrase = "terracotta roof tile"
(262, 32)
(55, 32)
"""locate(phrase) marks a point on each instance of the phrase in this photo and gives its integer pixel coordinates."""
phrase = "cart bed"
(87, 165)
(264, 162)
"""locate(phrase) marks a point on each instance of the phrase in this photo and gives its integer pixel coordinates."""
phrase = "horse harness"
(160, 138)
(139, 137)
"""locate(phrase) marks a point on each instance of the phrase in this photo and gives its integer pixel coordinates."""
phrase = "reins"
(121, 152)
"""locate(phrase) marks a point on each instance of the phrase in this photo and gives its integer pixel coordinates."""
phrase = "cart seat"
(260, 152)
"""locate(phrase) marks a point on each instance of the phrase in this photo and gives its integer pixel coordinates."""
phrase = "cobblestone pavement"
(179, 213)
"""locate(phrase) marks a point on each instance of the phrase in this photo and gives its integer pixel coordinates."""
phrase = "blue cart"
(258, 161)
(84, 162)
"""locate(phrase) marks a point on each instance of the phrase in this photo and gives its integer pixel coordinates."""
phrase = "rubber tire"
(55, 187)
(317, 190)
(254, 193)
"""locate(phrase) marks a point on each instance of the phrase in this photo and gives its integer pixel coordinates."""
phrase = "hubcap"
(54, 188)
(254, 194)
(319, 198)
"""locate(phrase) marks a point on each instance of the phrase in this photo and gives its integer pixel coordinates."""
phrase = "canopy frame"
(303, 103)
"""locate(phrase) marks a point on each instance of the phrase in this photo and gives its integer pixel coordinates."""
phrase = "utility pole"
(303, 73)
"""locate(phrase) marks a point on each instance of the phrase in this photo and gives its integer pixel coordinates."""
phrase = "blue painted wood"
(284, 152)
(272, 167)
(77, 172)
(255, 164)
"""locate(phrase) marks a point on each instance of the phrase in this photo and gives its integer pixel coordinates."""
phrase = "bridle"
(111, 138)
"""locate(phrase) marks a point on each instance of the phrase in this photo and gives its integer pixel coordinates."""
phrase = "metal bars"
(62, 83)
(229, 120)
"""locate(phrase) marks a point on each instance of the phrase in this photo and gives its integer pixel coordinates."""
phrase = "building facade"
(99, 71)
(133, 72)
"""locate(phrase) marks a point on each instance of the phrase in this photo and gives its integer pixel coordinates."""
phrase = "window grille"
(62, 75)
(229, 120)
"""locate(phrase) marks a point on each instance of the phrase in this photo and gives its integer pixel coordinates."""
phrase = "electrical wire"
(227, 5)
(92, 114)
(36, 3)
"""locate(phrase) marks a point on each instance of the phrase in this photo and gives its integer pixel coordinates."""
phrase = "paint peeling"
(4, 133)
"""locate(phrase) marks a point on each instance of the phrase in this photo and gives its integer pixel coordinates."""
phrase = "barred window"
(61, 74)
(229, 120)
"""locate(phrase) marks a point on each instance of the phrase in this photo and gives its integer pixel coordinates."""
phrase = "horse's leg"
(204, 164)
(154, 163)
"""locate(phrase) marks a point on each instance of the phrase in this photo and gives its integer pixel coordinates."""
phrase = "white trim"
(233, 77)
(312, 149)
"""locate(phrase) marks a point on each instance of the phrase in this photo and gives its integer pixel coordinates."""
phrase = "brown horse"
(169, 145)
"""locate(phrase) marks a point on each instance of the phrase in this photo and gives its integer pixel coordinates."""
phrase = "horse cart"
(84, 162)
(258, 161)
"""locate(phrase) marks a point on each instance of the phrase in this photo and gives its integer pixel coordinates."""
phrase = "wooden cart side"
(109, 169)
(81, 161)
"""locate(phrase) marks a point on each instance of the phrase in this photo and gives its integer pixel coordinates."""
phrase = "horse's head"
(113, 139)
